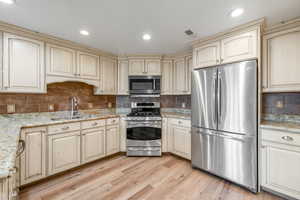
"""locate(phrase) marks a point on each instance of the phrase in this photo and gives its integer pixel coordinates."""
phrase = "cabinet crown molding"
(283, 25)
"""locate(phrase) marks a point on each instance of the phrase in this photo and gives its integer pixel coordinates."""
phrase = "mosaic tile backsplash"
(58, 94)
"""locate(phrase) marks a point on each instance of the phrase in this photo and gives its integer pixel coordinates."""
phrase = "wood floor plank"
(139, 178)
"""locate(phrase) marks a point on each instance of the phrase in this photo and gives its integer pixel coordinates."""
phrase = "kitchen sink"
(66, 118)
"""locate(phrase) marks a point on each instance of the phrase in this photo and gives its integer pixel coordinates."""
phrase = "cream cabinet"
(108, 79)
(164, 135)
(207, 55)
(112, 139)
(93, 144)
(88, 66)
(181, 77)
(228, 48)
(23, 65)
(280, 162)
(281, 61)
(167, 77)
(123, 87)
(239, 47)
(9, 187)
(144, 67)
(60, 61)
(123, 133)
(63, 151)
(33, 159)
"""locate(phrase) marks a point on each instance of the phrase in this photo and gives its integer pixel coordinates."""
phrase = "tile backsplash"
(281, 103)
(58, 95)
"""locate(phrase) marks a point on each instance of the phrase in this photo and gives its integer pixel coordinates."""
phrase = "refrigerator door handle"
(231, 137)
(215, 96)
(219, 96)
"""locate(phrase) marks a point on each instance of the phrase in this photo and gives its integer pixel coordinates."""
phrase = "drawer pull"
(65, 128)
(21, 148)
(95, 124)
(287, 138)
(179, 122)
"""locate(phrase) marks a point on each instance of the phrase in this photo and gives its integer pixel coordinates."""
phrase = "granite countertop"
(10, 126)
(281, 126)
(176, 115)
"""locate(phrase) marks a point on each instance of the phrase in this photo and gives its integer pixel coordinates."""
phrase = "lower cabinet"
(33, 157)
(112, 139)
(123, 133)
(63, 151)
(93, 144)
(281, 162)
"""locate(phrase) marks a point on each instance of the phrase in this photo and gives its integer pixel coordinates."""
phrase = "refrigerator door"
(204, 149)
(237, 98)
(204, 85)
(237, 159)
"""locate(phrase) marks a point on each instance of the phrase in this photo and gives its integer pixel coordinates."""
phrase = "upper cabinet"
(60, 61)
(229, 48)
(181, 77)
(167, 77)
(281, 60)
(88, 65)
(144, 67)
(123, 77)
(23, 65)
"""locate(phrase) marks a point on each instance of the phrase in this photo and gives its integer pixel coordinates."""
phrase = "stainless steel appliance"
(144, 129)
(224, 122)
(144, 85)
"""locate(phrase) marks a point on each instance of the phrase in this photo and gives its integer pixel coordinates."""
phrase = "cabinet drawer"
(92, 124)
(281, 137)
(112, 121)
(63, 128)
(180, 122)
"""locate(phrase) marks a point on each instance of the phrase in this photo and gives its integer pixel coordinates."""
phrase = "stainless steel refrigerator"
(224, 122)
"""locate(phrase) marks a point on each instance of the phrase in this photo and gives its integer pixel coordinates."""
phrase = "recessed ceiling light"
(7, 1)
(237, 12)
(146, 37)
(84, 32)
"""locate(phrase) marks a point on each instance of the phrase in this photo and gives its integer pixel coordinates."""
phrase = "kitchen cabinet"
(189, 66)
(33, 159)
(123, 133)
(23, 65)
(88, 66)
(93, 144)
(9, 187)
(164, 135)
(112, 139)
(232, 48)
(281, 61)
(108, 79)
(181, 77)
(167, 77)
(123, 88)
(280, 162)
(64, 151)
(207, 55)
(144, 67)
(60, 61)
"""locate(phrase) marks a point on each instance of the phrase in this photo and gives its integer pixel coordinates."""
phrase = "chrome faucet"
(74, 107)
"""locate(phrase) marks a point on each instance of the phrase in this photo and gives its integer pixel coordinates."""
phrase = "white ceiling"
(117, 25)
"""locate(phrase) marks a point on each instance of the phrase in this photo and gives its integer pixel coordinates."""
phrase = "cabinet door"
(152, 67)
(207, 55)
(112, 140)
(88, 66)
(167, 77)
(180, 81)
(93, 144)
(63, 151)
(23, 65)
(281, 60)
(60, 61)
(123, 77)
(281, 169)
(181, 143)
(137, 67)
(239, 47)
(189, 66)
(164, 135)
(33, 159)
(108, 76)
(123, 131)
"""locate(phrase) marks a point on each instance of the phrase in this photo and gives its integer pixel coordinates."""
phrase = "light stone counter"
(10, 127)
(281, 126)
(176, 115)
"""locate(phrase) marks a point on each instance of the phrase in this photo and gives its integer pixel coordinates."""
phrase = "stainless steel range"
(144, 129)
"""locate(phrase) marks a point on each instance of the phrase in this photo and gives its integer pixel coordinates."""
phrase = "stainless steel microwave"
(139, 85)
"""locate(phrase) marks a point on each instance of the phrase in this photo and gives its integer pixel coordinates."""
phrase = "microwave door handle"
(154, 84)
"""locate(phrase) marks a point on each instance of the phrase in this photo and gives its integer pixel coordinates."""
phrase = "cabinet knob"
(65, 128)
(95, 124)
(222, 60)
(287, 138)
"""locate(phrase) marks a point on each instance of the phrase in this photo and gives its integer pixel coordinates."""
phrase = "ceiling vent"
(189, 32)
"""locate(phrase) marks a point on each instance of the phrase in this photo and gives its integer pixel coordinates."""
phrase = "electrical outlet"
(109, 105)
(51, 107)
(11, 108)
(279, 104)
(90, 105)
(183, 104)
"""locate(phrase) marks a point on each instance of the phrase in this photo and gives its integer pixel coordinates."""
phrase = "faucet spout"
(74, 107)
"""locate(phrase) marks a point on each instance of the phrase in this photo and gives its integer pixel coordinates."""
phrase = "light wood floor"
(120, 177)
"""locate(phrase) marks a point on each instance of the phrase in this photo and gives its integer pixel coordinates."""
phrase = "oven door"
(144, 84)
(143, 133)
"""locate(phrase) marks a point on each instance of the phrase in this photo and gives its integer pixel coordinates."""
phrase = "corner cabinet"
(23, 65)
(280, 162)
(281, 61)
